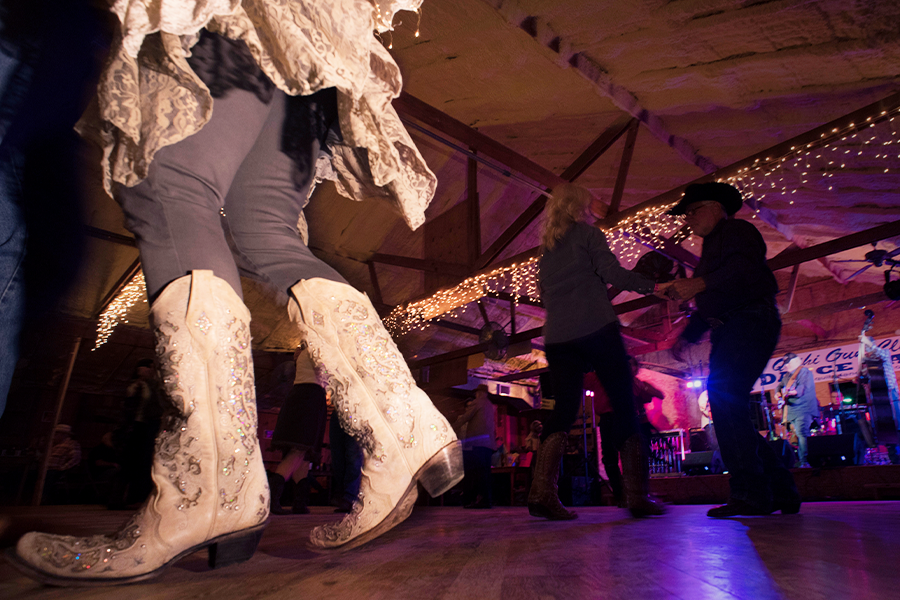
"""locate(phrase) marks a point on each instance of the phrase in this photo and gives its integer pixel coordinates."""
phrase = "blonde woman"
(581, 334)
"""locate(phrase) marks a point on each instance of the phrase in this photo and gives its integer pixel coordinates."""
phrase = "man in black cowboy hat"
(735, 295)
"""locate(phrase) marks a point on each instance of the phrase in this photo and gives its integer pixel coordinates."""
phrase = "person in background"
(532, 444)
(581, 334)
(298, 433)
(735, 296)
(480, 420)
(871, 351)
(644, 394)
(706, 421)
(346, 461)
(796, 395)
(142, 413)
(65, 455)
(498, 458)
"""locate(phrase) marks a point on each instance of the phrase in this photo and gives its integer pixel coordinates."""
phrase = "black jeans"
(481, 474)
(603, 353)
(346, 463)
(741, 347)
(609, 453)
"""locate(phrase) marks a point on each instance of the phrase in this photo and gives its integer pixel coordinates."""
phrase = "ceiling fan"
(495, 337)
(876, 258)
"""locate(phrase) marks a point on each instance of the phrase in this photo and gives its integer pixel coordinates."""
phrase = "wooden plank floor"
(830, 550)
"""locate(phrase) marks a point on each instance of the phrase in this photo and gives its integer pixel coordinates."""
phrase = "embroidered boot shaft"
(404, 438)
(210, 486)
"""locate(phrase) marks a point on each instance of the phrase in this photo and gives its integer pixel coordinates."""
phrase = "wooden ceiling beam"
(473, 212)
(406, 262)
(420, 264)
(543, 32)
(572, 172)
(523, 375)
(109, 236)
(377, 298)
(868, 114)
(411, 107)
(642, 335)
(624, 165)
(794, 255)
(457, 327)
(833, 307)
(792, 287)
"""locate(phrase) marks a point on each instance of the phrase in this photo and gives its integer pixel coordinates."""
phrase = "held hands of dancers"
(680, 289)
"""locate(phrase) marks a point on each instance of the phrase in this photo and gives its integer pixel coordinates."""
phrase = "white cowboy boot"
(404, 438)
(210, 484)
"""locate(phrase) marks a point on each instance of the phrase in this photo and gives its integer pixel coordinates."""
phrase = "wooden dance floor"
(830, 550)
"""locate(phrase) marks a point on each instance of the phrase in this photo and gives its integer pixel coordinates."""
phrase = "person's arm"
(607, 266)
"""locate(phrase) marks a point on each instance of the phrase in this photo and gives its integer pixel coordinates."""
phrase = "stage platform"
(831, 550)
(879, 482)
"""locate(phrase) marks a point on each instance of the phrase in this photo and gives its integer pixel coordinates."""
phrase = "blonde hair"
(568, 205)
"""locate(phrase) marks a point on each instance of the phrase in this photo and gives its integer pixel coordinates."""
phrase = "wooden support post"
(60, 398)
(624, 164)
(483, 311)
(572, 172)
(512, 316)
(456, 326)
(792, 287)
(373, 276)
(473, 232)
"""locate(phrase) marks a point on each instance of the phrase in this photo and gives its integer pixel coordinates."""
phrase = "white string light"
(765, 178)
(117, 311)
(817, 163)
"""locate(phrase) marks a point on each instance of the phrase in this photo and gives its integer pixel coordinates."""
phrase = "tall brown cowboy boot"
(405, 440)
(636, 477)
(210, 487)
(543, 499)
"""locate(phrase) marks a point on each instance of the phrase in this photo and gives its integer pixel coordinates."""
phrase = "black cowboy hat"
(726, 195)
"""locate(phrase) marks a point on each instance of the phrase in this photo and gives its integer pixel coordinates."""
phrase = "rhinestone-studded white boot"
(210, 484)
(404, 438)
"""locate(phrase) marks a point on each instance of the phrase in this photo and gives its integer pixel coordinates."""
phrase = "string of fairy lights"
(116, 312)
(817, 164)
(868, 145)
(771, 177)
(626, 240)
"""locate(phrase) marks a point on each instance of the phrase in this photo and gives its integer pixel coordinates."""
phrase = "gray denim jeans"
(225, 199)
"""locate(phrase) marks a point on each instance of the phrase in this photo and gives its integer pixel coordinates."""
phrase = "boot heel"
(234, 548)
(443, 470)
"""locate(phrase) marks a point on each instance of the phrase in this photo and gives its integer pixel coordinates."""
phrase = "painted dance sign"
(824, 363)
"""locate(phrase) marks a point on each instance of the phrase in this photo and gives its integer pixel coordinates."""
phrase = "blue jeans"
(741, 347)
(12, 283)
(604, 353)
(800, 425)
